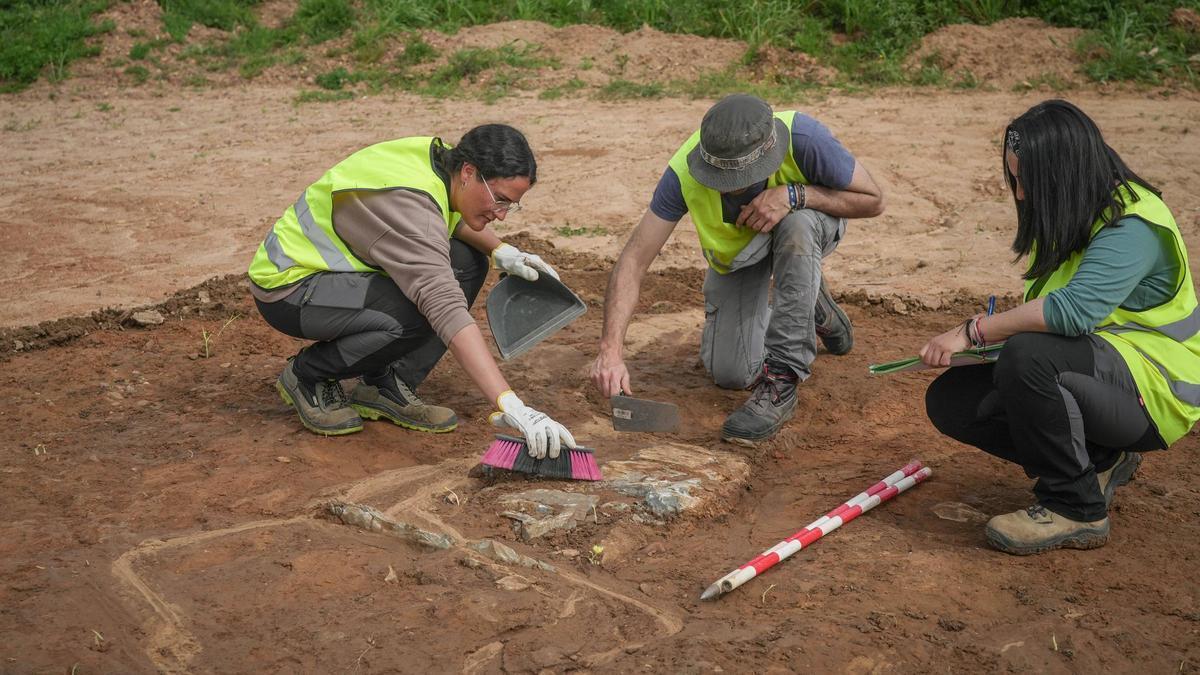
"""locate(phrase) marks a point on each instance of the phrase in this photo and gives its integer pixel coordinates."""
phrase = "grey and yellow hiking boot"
(833, 326)
(1120, 473)
(1037, 529)
(322, 406)
(772, 403)
(387, 396)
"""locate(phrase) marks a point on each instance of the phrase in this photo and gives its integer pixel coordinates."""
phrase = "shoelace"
(767, 384)
(332, 395)
(1036, 511)
(407, 393)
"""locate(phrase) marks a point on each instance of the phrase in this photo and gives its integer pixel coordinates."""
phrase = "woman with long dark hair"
(373, 264)
(1102, 360)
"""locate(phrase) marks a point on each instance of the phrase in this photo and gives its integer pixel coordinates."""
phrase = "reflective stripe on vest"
(303, 241)
(1161, 344)
(722, 241)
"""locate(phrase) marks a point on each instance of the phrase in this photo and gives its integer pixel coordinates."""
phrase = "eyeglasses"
(501, 205)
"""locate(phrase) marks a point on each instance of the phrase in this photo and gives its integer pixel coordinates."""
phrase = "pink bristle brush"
(512, 454)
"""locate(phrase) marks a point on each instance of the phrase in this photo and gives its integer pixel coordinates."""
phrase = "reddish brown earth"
(164, 509)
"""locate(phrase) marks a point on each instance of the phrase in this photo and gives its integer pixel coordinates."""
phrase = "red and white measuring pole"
(889, 487)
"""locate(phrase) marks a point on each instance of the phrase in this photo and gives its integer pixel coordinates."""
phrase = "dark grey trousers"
(362, 322)
(742, 327)
(1063, 408)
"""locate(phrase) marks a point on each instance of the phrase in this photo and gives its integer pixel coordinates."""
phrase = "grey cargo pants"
(741, 328)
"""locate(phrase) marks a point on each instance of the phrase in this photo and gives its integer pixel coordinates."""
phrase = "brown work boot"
(387, 396)
(1118, 474)
(322, 406)
(1037, 529)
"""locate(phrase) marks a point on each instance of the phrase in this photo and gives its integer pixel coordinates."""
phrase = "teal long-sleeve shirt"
(1132, 265)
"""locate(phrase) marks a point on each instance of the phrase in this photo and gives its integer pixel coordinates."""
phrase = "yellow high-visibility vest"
(303, 241)
(1161, 344)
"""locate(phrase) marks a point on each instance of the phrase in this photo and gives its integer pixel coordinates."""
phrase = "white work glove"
(511, 259)
(543, 436)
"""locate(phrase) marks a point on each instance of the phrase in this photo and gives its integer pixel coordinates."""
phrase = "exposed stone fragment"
(148, 317)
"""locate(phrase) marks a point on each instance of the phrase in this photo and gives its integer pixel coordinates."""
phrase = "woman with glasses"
(1102, 360)
(378, 261)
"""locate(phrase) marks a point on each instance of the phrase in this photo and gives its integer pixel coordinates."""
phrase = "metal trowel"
(637, 414)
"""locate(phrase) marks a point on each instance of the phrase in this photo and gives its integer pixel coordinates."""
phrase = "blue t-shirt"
(822, 159)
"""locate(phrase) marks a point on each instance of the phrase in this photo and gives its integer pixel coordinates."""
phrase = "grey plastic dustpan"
(523, 313)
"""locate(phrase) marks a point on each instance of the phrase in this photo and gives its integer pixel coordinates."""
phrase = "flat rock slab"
(538, 512)
(673, 478)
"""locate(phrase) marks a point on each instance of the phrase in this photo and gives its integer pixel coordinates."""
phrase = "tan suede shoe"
(322, 406)
(1118, 474)
(389, 398)
(1037, 529)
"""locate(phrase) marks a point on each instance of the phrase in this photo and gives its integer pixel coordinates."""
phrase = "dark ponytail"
(497, 150)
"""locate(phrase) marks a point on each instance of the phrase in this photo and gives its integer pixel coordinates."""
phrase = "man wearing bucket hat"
(769, 194)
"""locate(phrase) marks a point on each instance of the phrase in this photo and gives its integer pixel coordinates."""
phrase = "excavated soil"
(165, 511)
(1008, 53)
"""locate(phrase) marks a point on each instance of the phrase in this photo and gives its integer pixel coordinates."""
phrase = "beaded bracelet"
(803, 201)
(974, 333)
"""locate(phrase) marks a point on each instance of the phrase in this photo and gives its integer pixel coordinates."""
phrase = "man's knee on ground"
(731, 376)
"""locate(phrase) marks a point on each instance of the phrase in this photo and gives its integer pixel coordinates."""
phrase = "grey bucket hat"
(741, 143)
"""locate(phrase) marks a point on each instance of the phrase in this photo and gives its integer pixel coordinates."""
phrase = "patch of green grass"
(930, 72)
(310, 96)
(321, 20)
(139, 73)
(180, 15)
(988, 11)
(28, 125)
(140, 51)
(1132, 45)
(714, 85)
(45, 36)
(334, 79)
(569, 87)
(568, 231)
(416, 51)
(250, 50)
(965, 79)
(487, 74)
(104, 106)
(622, 89)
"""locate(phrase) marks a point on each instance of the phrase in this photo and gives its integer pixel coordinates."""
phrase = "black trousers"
(363, 323)
(1063, 408)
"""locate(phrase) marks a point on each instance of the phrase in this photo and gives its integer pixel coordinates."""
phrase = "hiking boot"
(772, 403)
(1036, 529)
(322, 406)
(387, 396)
(833, 326)
(1118, 474)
